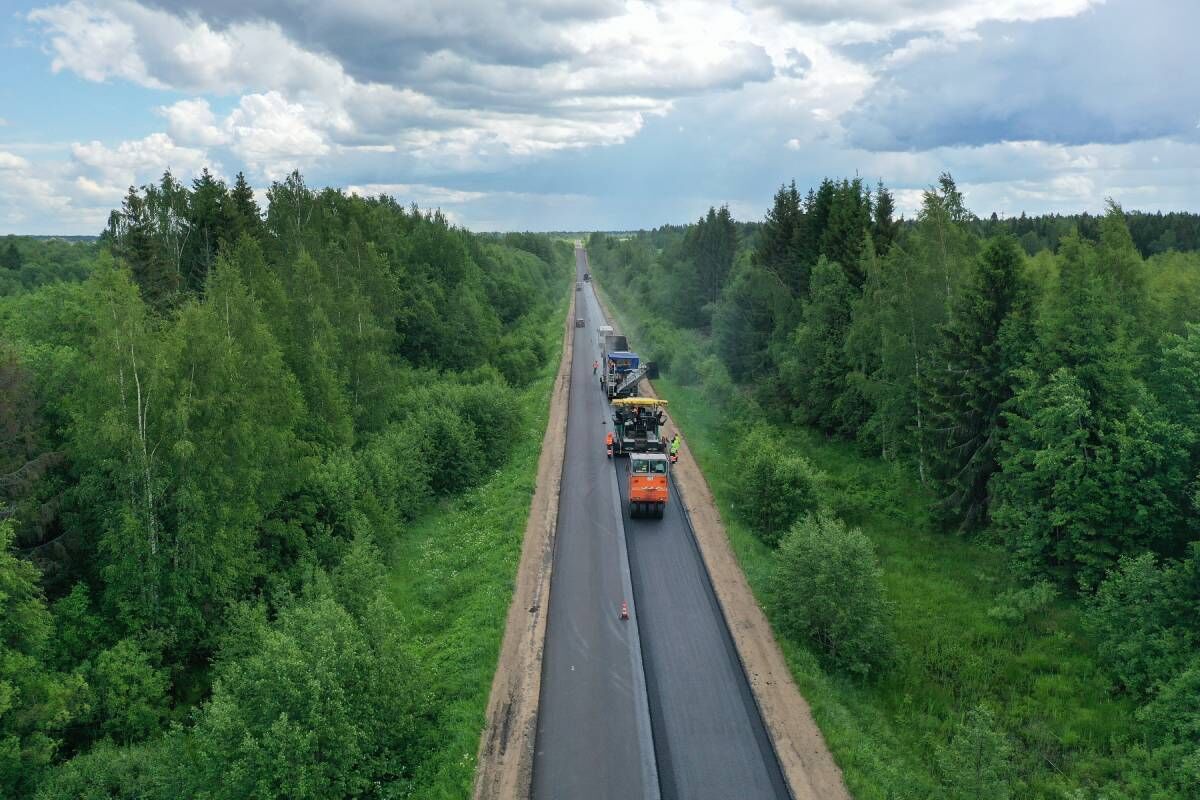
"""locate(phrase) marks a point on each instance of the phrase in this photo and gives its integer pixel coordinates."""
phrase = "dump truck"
(637, 426)
(602, 332)
(648, 487)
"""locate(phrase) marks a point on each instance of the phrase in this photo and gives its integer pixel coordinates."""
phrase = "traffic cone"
(624, 610)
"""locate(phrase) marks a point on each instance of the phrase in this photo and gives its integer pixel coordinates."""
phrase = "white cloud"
(9, 161)
(192, 122)
(134, 162)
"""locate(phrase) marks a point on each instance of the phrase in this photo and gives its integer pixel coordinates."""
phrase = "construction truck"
(648, 487)
(621, 370)
(637, 426)
(603, 332)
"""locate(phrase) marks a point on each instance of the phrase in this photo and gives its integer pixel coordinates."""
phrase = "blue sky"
(584, 114)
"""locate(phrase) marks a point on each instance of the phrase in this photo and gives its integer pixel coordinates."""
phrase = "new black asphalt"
(597, 713)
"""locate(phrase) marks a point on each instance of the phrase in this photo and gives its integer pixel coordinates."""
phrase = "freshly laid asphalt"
(657, 705)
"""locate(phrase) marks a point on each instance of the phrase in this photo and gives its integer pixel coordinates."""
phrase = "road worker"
(608, 443)
(595, 366)
(675, 444)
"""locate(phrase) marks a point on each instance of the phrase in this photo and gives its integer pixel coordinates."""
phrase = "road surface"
(658, 705)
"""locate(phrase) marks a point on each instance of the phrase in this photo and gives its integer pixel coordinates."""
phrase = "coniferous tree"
(814, 368)
(778, 250)
(883, 228)
(849, 219)
(245, 215)
(132, 233)
(1090, 470)
(972, 380)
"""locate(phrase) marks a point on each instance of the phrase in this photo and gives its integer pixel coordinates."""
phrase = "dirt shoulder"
(504, 764)
(807, 764)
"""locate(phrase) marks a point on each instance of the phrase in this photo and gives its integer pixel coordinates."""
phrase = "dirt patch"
(807, 764)
(504, 764)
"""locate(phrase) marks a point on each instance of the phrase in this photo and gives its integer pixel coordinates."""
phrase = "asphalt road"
(658, 705)
(593, 730)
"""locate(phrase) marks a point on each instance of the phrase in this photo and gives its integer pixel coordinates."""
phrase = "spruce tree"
(246, 216)
(849, 218)
(972, 381)
(814, 366)
(883, 227)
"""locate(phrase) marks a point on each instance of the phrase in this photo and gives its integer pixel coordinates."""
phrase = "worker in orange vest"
(595, 366)
(608, 443)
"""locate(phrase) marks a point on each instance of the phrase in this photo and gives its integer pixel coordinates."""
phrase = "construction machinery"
(637, 426)
(648, 488)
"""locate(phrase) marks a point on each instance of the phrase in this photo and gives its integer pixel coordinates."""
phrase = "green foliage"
(322, 708)
(130, 693)
(973, 380)
(814, 366)
(829, 592)
(36, 704)
(213, 443)
(976, 763)
(774, 488)
(1021, 605)
(1143, 619)
(1172, 720)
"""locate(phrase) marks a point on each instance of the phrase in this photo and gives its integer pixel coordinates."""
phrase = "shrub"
(492, 410)
(452, 453)
(1172, 720)
(1143, 620)
(396, 470)
(322, 708)
(714, 377)
(685, 368)
(773, 489)
(976, 762)
(828, 592)
(1018, 605)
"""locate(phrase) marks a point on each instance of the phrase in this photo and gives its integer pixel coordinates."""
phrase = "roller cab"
(648, 488)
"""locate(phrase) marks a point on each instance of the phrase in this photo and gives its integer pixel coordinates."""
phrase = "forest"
(229, 434)
(959, 459)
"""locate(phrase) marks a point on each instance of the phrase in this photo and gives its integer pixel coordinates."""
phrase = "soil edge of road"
(807, 764)
(504, 763)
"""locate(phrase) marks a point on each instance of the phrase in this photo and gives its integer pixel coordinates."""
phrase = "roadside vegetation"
(982, 572)
(263, 478)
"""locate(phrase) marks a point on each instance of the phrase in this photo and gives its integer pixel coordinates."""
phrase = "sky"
(599, 114)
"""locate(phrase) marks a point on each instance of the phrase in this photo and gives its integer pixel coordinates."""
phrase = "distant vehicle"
(648, 492)
(579, 286)
(637, 426)
(579, 322)
(587, 276)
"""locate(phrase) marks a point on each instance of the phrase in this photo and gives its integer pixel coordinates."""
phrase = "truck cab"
(648, 490)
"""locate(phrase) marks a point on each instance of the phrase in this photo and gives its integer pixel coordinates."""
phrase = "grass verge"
(452, 573)
(1038, 676)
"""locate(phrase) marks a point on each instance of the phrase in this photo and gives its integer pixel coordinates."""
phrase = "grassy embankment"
(452, 573)
(1038, 675)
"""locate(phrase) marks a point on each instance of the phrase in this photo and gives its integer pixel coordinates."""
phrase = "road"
(658, 705)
